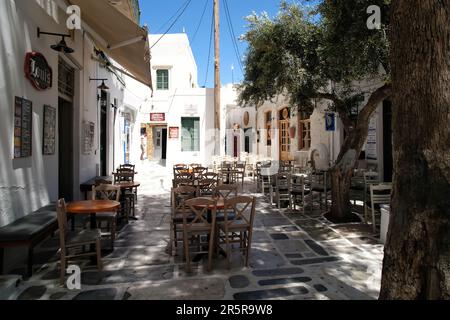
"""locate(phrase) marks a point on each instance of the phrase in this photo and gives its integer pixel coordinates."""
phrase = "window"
(268, 118)
(304, 141)
(190, 134)
(162, 79)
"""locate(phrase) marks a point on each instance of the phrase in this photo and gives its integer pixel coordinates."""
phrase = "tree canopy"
(316, 53)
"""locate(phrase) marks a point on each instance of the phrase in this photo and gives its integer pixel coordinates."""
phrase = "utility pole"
(217, 76)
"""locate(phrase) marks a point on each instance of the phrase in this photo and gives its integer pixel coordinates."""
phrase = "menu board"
(174, 132)
(23, 123)
(49, 131)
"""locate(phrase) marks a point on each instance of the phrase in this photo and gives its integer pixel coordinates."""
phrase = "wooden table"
(92, 207)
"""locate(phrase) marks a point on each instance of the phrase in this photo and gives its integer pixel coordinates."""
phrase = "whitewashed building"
(177, 119)
(68, 136)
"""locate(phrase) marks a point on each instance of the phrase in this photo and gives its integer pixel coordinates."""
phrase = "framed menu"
(174, 132)
(88, 136)
(23, 126)
(48, 145)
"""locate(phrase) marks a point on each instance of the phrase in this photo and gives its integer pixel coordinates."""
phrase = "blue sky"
(156, 13)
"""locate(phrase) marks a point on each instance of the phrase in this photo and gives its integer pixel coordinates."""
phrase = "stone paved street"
(294, 256)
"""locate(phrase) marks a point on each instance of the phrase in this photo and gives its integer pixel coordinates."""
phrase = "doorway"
(387, 141)
(65, 143)
(285, 139)
(164, 145)
(235, 147)
(248, 140)
(103, 132)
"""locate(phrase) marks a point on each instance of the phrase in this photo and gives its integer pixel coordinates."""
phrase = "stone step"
(8, 286)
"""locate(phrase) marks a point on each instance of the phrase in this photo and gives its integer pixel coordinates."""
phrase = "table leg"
(93, 221)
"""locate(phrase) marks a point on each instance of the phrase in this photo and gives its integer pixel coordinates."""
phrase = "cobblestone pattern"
(294, 256)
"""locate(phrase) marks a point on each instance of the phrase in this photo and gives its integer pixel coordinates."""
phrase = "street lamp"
(103, 86)
(62, 45)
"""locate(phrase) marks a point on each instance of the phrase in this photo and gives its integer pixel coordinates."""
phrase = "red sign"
(157, 117)
(38, 71)
(174, 133)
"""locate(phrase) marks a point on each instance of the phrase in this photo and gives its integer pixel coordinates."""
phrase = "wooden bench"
(28, 232)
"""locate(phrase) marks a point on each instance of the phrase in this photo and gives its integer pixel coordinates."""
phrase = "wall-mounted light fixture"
(59, 47)
(103, 86)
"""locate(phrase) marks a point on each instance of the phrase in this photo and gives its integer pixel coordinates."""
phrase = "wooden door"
(285, 141)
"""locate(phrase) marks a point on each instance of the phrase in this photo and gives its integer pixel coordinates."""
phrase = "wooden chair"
(299, 191)
(199, 171)
(194, 165)
(128, 166)
(210, 176)
(181, 182)
(321, 185)
(178, 196)
(282, 188)
(225, 191)
(379, 194)
(180, 169)
(240, 172)
(206, 187)
(70, 241)
(199, 219)
(370, 178)
(127, 175)
(239, 229)
(107, 192)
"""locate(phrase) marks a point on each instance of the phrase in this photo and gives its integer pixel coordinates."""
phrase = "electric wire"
(173, 23)
(209, 51)
(233, 35)
(200, 22)
(173, 16)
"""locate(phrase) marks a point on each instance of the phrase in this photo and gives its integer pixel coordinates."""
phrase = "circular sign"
(285, 113)
(38, 71)
(246, 118)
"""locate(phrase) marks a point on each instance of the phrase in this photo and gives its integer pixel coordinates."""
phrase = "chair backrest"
(128, 166)
(198, 171)
(106, 192)
(196, 211)
(180, 169)
(124, 175)
(182, 182)
(244, 209)
(226, 191)
(206, 187)
(380, 193)
(209, 175)
(181, 194)
(283, 181)
(63, 227)
(184, 175)
(101, 181)
(195, 165)
(240, 166)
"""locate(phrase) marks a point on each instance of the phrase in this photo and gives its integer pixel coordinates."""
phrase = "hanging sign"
(157, 117)
(38, 71)
(330, 121)
(174, 132)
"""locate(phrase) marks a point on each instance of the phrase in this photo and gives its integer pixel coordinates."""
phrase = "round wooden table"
(91, 207)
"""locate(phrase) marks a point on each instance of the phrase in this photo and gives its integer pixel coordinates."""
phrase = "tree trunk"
(417, 254)
(341, 173)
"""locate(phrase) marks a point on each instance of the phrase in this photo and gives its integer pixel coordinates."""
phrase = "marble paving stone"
(314, 261)
(99, 294)
(324, 234)
(260, 236)
(187, 289)
(317, 248)
(320, 288)
(278, 272)
(57, 296)
(291, 246)
(275, 222)
(293, 255)
(270, 294)
(279, 236)
(32, 293)
(272, 282)
(265, 257)
(239, 282)
(147, 256)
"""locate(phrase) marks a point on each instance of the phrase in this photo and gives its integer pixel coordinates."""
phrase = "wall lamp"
(62, 45)
(103, 86)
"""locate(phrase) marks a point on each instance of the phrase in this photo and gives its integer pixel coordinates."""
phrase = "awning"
(125, 41)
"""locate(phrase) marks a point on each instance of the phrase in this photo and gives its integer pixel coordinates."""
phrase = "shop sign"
(38, 71)
(174, 133)
(330, 121)
(157, 117)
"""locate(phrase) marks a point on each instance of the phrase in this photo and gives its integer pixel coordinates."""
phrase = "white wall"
(30, 183)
